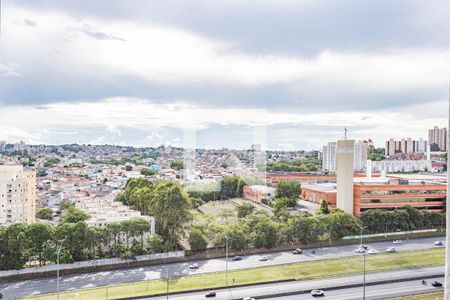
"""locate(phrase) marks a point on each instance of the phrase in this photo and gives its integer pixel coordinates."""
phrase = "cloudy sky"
(290, 74)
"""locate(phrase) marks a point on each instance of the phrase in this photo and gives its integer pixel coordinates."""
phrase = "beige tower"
(344, 173)
(17, 195)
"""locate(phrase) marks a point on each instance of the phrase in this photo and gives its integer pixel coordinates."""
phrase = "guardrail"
(90, 263)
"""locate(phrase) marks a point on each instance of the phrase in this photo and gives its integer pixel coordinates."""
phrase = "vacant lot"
(224, 211)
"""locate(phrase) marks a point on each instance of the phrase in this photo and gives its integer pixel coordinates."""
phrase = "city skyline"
(140, 74)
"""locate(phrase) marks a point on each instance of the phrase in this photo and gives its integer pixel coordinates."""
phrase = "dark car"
(210, 295)
(236, 258)
(1, 296)
(436, 284)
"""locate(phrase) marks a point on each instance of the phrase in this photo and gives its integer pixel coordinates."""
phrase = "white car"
(360, 250)
(263, 258)
(194, 266)
(248, 298)
(391, 250)
(397, 242)
(438, 243)
(372, 251)
(317, 293)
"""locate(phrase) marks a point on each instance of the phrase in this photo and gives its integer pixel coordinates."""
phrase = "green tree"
(324, 208)
(147, 172)
(341, 224)
(177, 165)
(121, 197)
(45, 214)
(288, 189)
(74, 215)
(231, 187)
(305, 229)
(197, 240)
(73, 237)
(39, 237)
(13, 247)
(156, 243)
(266, 235)
(140, 199)
(170, 207)
(134, 183)
(244, 210)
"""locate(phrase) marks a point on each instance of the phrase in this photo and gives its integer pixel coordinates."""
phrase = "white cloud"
(157, 119)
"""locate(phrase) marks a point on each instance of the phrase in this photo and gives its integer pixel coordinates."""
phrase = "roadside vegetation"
(430, 296)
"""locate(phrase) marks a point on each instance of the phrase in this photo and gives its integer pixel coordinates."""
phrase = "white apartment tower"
(329, 157)
(405, 146)
(438, 136)
(359, 158)
(17, 195)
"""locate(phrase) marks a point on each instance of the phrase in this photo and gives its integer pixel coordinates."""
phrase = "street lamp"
(364, 261)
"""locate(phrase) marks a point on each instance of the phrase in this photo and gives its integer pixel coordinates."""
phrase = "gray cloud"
(284, 26)
(29, 22)
(100, 35)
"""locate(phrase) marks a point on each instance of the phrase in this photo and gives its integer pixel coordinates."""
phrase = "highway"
(72, 282)
(333, 287)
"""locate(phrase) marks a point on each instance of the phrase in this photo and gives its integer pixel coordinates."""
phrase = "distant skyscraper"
(360, 155)
(359, 158)
(405, 146)
(438, 136)
(256, 147)
(329, 157)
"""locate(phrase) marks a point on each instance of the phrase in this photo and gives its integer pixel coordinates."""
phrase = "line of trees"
(402, 219)
(310, 164)
(38, 242)
(261, 230)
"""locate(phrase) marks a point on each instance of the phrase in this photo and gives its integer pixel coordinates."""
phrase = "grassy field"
(298, 271)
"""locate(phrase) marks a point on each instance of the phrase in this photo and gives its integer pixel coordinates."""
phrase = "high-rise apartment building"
(329, 157)
(405, 146)
(2, 146)
(359, 157)
(17, 195)
(437, 137)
